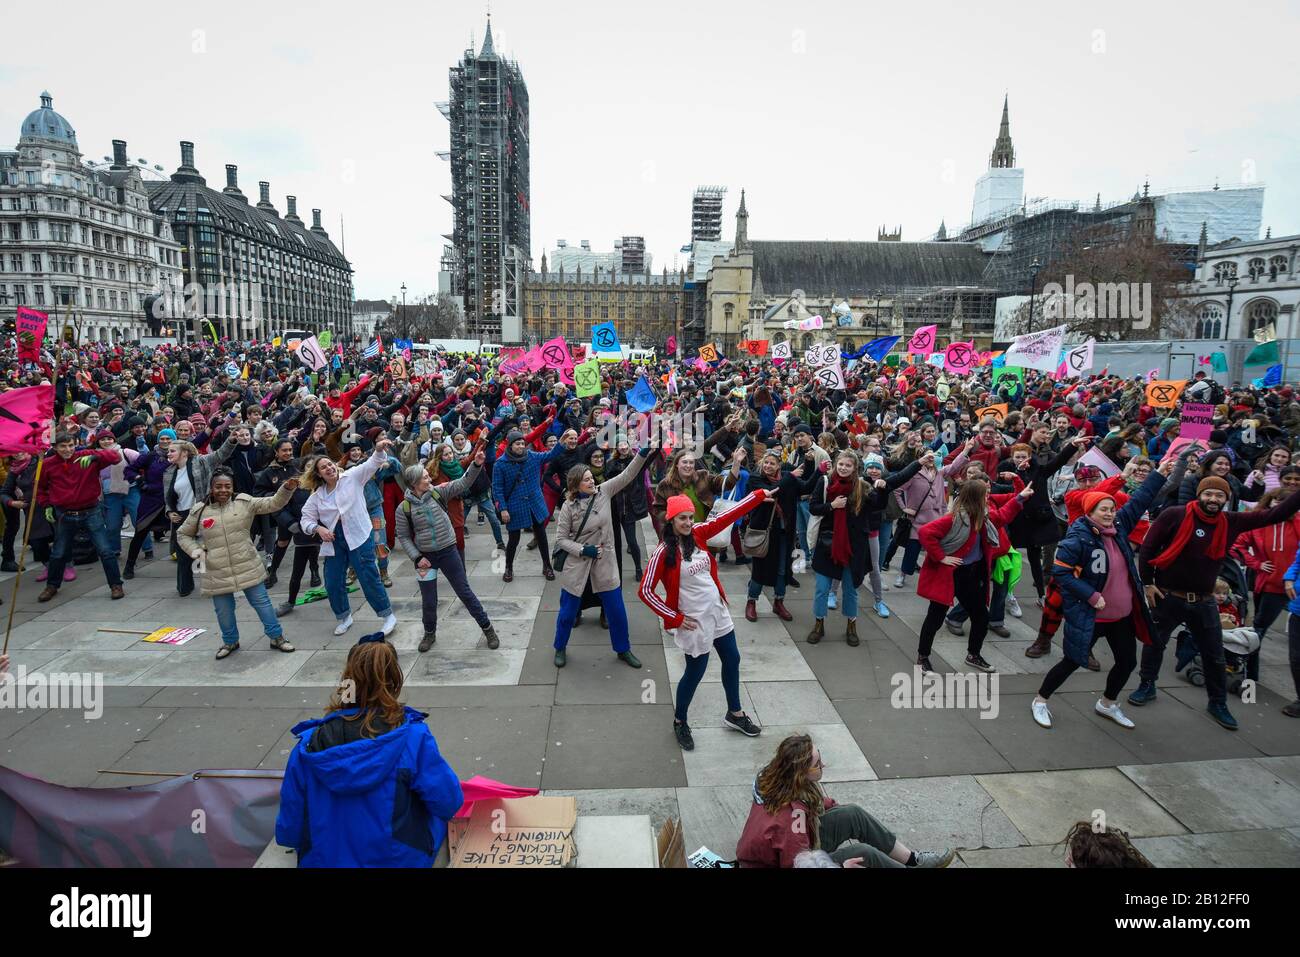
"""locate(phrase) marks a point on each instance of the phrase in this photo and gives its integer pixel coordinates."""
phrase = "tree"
(1110, 285)
(433, 317)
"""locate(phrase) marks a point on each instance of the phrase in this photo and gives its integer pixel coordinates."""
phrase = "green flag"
(892, 359)
(1004, 371)
(324, 339)
(1264, 354)
(1219, 362)
(587, 378)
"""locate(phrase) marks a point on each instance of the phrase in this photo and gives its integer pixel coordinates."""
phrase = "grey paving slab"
(116, 667)
(918, 743)
(659, 804)
(214, 737)
(28, 629)
(324, 668)
(426, 697)
(505, 744)
(449, 666)
(277, 755)
(1275, 848)
(234, 696)
(76, 610)
(1232, 795)
(762, 658)
(1068, 744)
(595, 676)
(1044, 805)
(713, 817)
(592, 746)
(67, 749)
(791, 702)
(724, 756)
(1286, 767)
(520, 608)
(1044, 855)
(1262, 724)
(1170, 732)
(710, 702)
(85, 636)
(933, 813)
(14, 719)
(253, 664)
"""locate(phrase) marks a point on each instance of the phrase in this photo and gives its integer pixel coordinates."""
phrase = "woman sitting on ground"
(790, 815)
(365, 785)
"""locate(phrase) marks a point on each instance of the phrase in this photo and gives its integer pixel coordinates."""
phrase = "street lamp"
(1227, 320)
(1033, 288)
(403, 322)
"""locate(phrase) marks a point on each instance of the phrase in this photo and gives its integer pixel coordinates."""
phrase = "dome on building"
(45, 124)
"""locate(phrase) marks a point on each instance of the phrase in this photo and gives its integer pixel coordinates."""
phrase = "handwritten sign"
(1197, 421)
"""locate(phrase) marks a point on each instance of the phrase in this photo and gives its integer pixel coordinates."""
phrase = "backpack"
(1057, 485)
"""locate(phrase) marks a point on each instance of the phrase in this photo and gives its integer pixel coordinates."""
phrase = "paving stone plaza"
(1001, 789)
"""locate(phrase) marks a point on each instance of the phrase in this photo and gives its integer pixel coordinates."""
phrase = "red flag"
(26, 419)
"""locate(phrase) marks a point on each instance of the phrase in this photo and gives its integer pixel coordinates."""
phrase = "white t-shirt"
(698, 598)
(184, 491)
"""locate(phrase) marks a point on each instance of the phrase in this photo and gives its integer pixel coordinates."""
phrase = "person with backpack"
(427, 535)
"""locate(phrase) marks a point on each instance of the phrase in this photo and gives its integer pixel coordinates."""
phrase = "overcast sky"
(837, 119)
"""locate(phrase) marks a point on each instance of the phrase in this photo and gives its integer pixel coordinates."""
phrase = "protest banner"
(30, 327)
(1164, 393)
(1197, 421)
(1036, 350)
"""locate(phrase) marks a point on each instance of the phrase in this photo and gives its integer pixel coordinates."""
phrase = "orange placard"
(998, 411)
(1164, 393)
(709, 352)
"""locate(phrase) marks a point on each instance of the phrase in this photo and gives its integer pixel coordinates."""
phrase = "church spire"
(942, 234)
(1004, 154)
(742, 226)
(488, 50)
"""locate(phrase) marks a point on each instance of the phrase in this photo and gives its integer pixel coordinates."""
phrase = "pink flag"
(1153, 375)
(672, 345)
(30, 326)
(26, 419)
(479, 788)
(922, 341)
(555, 354)
(960, 357)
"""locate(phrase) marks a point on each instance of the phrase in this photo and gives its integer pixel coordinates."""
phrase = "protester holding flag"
(16, 497)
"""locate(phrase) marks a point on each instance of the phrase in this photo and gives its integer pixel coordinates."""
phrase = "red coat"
(656, 572)
(772, 840)
(1272, 543)
(988, 456)
(935, 582)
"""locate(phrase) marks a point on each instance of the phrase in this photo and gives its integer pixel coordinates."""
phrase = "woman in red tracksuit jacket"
(958, 564)
(1268, 552)
(694, 606)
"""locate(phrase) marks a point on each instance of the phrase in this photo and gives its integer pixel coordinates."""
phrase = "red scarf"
(841, 549)
(1218, 542)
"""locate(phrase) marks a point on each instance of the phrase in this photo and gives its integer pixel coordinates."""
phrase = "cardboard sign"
(1197, 421)
(998, 411)
(943, 390)
(1099, 460)
(173, 636)
(532, 832)
(1037, 350)
(1164, 393)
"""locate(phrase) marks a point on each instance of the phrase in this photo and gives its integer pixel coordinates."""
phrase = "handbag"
(815, 521)
(720, 504)
(559, 556)
(754, 541)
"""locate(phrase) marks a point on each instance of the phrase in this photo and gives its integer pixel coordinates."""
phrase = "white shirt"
(184, 491)
(346, 504)
(698, 598)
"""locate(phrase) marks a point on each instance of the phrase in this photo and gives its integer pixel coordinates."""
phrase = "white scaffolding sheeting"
(1227, 213)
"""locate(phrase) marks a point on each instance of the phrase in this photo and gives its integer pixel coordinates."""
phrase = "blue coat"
(1081, 569)
(1293, 606)
(372, 802)
(517, 488)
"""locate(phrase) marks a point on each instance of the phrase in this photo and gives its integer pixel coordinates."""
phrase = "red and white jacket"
(1272, 543)
(656, 571)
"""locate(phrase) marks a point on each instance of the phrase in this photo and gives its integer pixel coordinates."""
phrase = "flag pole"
(22, 556)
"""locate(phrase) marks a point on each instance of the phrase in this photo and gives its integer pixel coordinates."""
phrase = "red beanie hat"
(1092, 499)
(679, 504)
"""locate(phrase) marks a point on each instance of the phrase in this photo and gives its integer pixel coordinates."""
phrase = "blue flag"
(1273, 376)
(879, 348)
(604, 338)
(642, 397)
(338, 361)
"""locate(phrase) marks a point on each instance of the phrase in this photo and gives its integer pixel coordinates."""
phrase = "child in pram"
(1238, 643)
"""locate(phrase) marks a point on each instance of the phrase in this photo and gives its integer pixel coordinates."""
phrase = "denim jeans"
(886, 536)
(778, 541)
(66, 527)
(696, 665)
(801, 527)
(611, 602)
(849, 599)
(362, 561)
(485, 507)
(114, 516)
(261, 602)
(997, 607)
(911, 552)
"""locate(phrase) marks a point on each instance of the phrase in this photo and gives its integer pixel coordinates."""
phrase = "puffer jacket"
(423, 525)
(233, 564)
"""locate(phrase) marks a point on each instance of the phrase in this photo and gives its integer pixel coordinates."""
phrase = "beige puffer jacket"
(233, 564)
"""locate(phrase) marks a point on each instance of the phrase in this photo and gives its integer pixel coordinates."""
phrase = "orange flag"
(998, 411)
(1164, 393)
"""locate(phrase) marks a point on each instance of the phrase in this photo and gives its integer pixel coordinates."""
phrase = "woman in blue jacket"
(1293, 633)
(517, 491)
(365, 785)
(1101, 595)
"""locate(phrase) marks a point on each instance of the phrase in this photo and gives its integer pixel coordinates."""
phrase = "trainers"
(493, 642)
(8, 565)
(830, 601)
(1013, 607)
(315, 580)
(482, 520)
(882, 610)
(148, 556)
(1002, 631)
(900, 581)
(682, 730)
(427, 641)
(342, 627)
(923, 662)
(390, 623)
(1042, 714)
(1221, 714)
(1145, 694)
(115, 592)
(955, 628)
(1115, 714)
(977, 661)
(934, 858)
(561, 657)
(742, 724)
(285, 609)
(388, 582)
(69, 574)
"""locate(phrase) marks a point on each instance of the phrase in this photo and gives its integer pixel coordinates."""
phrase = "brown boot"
(47, 593)
(751, 611)
(1041, 646)
(851, 632)
(782, 612)
(818, 631)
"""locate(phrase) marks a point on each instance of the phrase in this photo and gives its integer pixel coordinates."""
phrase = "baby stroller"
(1238, 642)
